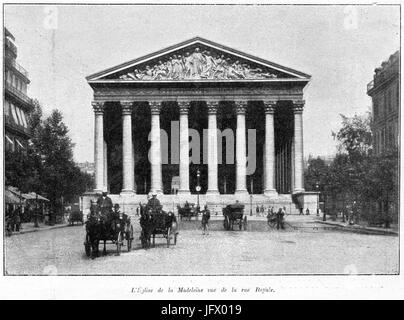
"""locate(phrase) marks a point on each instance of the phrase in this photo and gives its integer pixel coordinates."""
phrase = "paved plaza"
(305, 248)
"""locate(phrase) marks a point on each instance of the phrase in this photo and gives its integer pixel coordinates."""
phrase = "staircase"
(215, 203)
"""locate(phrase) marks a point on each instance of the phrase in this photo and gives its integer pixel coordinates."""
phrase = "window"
(389, 95)
(398, 95)
(375, 108)
(21, 115)
(14, 114)
(6, 108)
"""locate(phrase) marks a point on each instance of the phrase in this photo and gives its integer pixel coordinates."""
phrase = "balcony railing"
(20, 95)
(8, 121)
(371, 85)
(17, 67)
(11, 46)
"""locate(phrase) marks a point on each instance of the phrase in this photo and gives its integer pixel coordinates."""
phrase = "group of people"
(108, 212)
(278, 217)
(198, 65)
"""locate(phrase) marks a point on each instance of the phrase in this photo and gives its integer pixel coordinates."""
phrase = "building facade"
(150, 111)
(385, 92)
(17, 104)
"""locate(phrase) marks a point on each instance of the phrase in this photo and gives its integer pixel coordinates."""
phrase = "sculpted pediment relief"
(197, 60)
(198, 64)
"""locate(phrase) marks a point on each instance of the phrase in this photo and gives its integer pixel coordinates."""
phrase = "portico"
(199, 79)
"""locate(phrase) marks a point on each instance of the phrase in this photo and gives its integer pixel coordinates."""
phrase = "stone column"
(241, 155)
(127, 159)
(212, 148)
(269, 149)
(98, 145)
(105, 166)
(134, 169)
(184, 148)
(155, 149)
(298, 146)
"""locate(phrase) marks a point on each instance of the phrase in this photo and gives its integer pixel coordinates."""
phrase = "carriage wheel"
(168, 237)
(87, 246)
(245, 223)
(118, 244)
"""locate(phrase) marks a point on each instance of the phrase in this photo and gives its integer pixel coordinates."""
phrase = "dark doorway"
(198, 121)
(255, 120)
(284, 127)
(141, 126)
(227, 124)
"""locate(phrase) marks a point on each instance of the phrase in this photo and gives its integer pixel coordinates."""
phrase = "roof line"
(170, 48)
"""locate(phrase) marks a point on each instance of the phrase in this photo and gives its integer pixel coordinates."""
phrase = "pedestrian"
(307, 211)
(16, 220)
(279, 219)
(257, 210)
(262, 210)
(300, 210)
(205, 220)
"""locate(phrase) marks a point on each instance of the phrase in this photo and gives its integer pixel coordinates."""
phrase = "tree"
(315, 176)
(56, 149)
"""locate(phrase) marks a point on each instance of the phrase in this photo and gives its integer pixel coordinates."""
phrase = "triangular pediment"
(197, 60)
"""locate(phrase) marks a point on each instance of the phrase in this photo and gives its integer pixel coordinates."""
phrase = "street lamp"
(251, 194)
(318, 198)
(198, 188)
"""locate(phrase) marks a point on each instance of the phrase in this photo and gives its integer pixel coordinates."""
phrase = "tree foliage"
(355, 174)
(48, 166)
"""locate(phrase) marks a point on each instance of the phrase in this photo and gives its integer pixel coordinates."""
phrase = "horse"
(146, 224)
(93, 229)
(99, 228)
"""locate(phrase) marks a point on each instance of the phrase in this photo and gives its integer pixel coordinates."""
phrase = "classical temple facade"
(200, 107)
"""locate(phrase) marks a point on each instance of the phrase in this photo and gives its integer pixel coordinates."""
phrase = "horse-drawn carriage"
(187, 211)
(115, 228)
(156, 222)
(234, 214)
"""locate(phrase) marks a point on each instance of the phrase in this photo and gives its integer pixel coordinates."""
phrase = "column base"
(97, 190)
(298, 191)
(184, 192)
(241, 192)
(270, 193)
(127, 192)
(158, 192)
(212, 192)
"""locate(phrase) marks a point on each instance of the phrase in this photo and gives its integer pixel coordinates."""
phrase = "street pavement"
(304, 247)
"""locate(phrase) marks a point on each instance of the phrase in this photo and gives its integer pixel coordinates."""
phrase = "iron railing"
(20, 95)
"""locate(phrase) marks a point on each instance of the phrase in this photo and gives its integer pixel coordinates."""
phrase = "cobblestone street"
(305, 250)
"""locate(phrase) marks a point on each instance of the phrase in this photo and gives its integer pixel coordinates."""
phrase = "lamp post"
(198, 188)
(318, 198)
(251, 194)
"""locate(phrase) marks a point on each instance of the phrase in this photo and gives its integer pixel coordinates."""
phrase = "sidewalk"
(29, 227)
(360, 228)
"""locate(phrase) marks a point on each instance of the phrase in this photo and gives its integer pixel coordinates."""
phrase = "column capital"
(183, 106)
(127, 107)
(241, 106)
(298, 106)
(212, 106)
(98, 107)
(155, 107)
(270, 106)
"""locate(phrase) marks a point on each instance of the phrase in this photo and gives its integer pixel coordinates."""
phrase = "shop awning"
(9, 139)
(10, 197)
(33, 196)
(19, 143)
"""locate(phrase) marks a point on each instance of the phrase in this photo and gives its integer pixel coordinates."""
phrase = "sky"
(339, 46)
